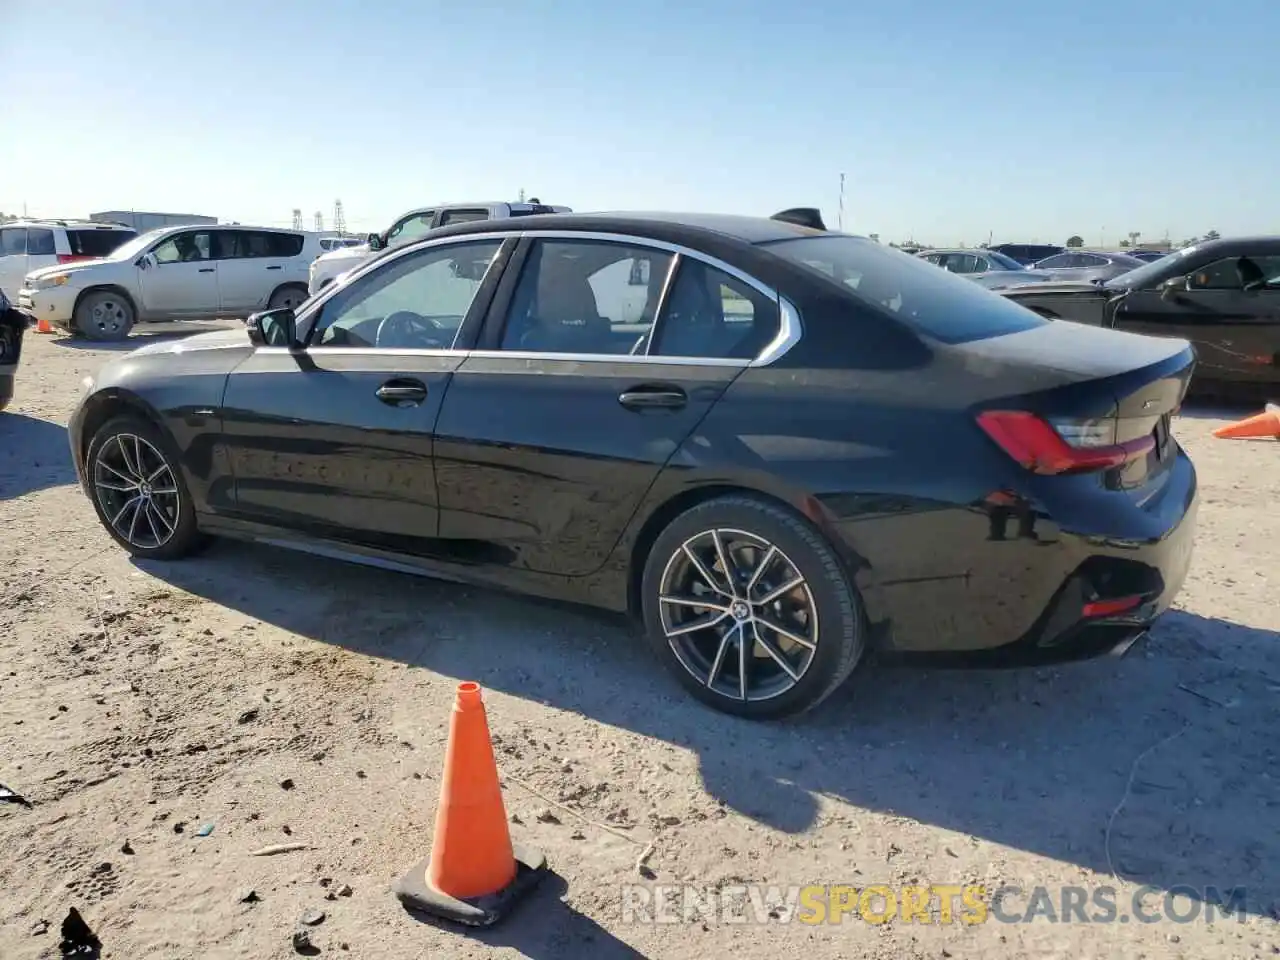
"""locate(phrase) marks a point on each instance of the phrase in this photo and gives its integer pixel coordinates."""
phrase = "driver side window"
(1235, 273)
(415, 302)
(411, 228)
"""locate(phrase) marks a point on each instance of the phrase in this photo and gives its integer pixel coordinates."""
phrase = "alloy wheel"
(137, 491)
(738, 614)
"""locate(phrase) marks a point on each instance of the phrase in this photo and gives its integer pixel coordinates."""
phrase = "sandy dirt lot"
(140, 703)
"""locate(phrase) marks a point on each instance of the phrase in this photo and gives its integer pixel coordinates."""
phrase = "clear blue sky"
(951, 120)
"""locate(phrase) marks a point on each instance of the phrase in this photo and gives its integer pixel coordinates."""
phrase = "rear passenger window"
(13, 241)
(40, 242)
(463, 216)
(276, 244)
(577, 297)
(97, 243)
(712, 315)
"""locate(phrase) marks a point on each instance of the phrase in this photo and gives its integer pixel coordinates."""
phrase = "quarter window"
(96, 242)
(577, 296)
(712, 315)
(415, 302)
(185, 248)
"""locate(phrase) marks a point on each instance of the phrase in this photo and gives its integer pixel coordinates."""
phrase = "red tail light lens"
(1067, 446)
(71, 258)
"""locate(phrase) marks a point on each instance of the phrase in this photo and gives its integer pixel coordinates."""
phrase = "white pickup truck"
(328, 267)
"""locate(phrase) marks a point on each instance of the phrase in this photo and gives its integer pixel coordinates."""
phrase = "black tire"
(102, 465)
(291, 295)
(104, 316)
(840, 623)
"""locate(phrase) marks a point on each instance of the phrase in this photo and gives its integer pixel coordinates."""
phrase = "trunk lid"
(1110, 396)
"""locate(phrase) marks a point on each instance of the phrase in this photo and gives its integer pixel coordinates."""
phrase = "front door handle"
(651, 397)
(276, 267)
(402, 392)
(206, 269)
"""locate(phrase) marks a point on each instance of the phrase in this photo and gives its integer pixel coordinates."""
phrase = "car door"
(239, 275)
(334, 439)
(1230, 310)
(555, 427)
(181, 279)
(13, 260)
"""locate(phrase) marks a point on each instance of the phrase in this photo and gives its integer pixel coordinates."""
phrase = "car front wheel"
(139, 492)
(104, 315)
(750, 608)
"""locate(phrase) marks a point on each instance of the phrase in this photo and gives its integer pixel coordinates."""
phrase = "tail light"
(72, 258)
(1061, 446)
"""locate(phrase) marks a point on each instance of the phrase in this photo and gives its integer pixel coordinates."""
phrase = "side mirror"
(144, 262)
(375, 241)
(273, 328)
(1170, 289)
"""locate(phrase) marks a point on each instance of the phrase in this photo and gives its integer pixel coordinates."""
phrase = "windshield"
(1003, 261)
(945, 306)
(1139, 277)
(135, 246)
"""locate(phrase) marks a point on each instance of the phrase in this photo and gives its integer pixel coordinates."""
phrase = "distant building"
(143, 221)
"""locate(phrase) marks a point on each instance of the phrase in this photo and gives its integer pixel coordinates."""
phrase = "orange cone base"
(414, 892)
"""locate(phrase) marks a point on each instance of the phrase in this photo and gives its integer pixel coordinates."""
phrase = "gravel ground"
(140, 703)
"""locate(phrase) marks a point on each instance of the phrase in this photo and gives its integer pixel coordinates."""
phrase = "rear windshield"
(97, 243)
(942, 305)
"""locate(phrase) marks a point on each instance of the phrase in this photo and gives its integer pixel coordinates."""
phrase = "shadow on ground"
(34, 455)
(1036, 760)
(145, 333)
(549, 929)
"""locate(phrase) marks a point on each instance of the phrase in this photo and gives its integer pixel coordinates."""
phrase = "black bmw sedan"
(778, 448)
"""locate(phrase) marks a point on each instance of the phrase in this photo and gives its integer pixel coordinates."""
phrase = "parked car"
(745, 457)
(1222, 295)
(27, 245)
(1027, 253)
(1086, 266)
(338, 243)
(413, 226)
(13, 324)
(175, 273)
(970, 261)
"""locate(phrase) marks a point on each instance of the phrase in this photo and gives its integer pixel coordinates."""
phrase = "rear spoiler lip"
(810, 217)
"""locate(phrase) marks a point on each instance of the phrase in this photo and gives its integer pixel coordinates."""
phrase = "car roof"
(658, 225)
(975, 251)
(95, 224)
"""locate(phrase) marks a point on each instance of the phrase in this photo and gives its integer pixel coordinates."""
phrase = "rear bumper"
(1038, 588)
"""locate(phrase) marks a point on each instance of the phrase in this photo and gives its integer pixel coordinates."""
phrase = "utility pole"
(840, 218)
(339, 221)
(297, 218)
(319, 222)
(521, 197)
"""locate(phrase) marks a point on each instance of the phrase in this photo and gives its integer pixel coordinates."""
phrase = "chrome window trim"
(790, 328)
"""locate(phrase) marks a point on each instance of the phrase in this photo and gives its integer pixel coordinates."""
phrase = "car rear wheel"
(139, 492)
(291, 297)
(104, 315)
(750, 608)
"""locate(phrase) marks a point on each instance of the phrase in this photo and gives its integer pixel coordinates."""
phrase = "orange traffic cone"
(44, 326)
(474, 873)
(1265, 424)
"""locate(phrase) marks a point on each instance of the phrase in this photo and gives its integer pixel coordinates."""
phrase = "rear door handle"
(402, 392)
(650, 397)
(276, 267)
(206, 269)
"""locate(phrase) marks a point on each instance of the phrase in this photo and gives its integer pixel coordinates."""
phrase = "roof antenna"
(810, 217)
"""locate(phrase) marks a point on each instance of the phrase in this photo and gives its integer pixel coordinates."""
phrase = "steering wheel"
(410, 330)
